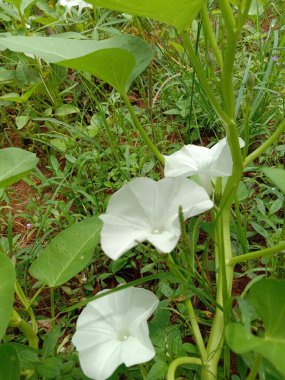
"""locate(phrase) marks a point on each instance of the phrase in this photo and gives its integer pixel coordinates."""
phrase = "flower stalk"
(180, 361)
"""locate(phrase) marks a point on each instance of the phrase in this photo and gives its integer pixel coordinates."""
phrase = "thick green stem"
(257, 152)
(254, 255)
(227, 16)
(224, 275)
(27, 330)
(180, 361)
(142, 132)
(208, 31)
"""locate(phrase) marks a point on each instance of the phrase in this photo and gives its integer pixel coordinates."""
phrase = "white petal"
(138, 347)
(165, 241)
(185, 162)
(121, 233)
(99, 362)
(101, 326)
(192, 159)
(175, 192)
(144, 208)
(127, 305)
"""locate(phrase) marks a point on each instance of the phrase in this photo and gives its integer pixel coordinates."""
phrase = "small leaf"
(256, 8)
(276, 176)
(179, 13)
(9, 363)
(68, 253)
(51, 341)
(58, 144)
(8, 277)
(50, 368)
(15, 164)
(276, 206)
(21, 121)
(14, 97)
(267, 296)
(66, 109)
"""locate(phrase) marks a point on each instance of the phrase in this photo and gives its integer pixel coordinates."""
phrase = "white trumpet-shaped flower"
(113, 330)
(148, 210)
(192, 159)
(68, 4)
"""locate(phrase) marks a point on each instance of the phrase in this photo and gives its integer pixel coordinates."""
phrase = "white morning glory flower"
(206, 162)
(193, 159)
(68, 4)
(145, 209)
(113, 330)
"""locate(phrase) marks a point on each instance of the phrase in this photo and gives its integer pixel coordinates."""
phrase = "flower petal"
(121, 233)
(113, 330)
(138, 347)
(192, 159)
(175, 192)
(143, 208)
(100, 361)
(165, 241)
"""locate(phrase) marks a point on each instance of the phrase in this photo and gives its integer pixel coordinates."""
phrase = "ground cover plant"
(142, 190)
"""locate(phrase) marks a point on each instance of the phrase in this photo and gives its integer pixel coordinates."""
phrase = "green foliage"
(15, 164)
(68, 253)
(276, 176)
(8, 278)
(267, 296)
(180, 13)
(9, 363)
(118, 60)
(85, 138)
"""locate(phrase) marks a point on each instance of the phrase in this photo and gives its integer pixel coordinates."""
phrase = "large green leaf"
(9, 363)
(8, 277)
(277, 176)
(68, 253)
(179, 13)
(15, 164)
(118, 60)
(268, 298)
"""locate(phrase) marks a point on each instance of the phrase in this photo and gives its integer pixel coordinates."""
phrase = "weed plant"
(88, 145)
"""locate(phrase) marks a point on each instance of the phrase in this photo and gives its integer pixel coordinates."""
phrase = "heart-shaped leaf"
(15, 164)
(179, 13)
(68, 253)
(118, 60)
(267, 296)
(8, 277)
